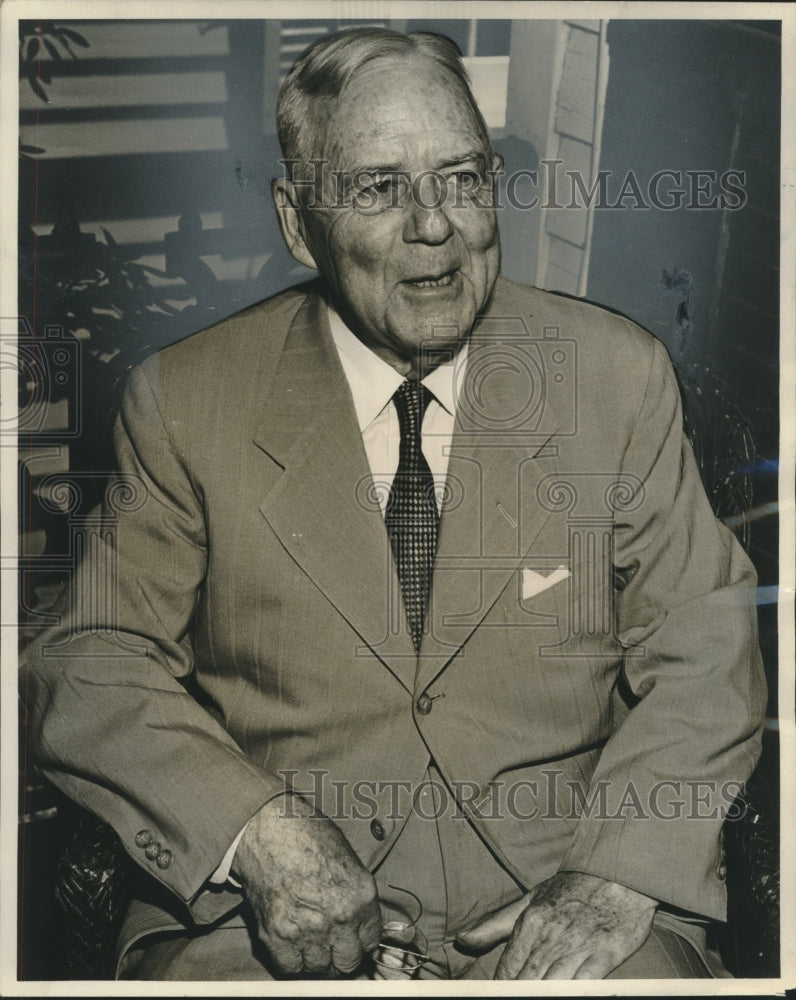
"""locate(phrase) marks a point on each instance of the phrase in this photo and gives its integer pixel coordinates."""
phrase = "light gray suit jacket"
(248, 631)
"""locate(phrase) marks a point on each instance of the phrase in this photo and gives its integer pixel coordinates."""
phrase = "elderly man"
(422, 637)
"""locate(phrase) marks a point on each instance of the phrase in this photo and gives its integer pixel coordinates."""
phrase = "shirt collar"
(373, 381)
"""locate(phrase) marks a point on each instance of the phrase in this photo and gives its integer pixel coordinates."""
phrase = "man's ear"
(288, 210)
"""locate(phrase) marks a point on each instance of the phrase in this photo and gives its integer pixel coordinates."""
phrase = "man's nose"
(426, 219)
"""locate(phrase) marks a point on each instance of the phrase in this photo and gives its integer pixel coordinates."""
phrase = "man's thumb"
(494, 928)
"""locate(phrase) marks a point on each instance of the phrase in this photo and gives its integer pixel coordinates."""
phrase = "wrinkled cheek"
(493, 258)
(486, 235)
(485, 261)
(478, 230)
(363, 241)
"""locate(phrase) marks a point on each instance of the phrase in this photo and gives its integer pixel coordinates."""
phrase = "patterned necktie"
(411, 516)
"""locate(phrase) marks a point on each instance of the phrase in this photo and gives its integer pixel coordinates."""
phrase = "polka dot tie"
(411, 516)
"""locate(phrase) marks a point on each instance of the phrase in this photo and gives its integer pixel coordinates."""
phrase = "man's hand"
(571, 926)
(315, 903)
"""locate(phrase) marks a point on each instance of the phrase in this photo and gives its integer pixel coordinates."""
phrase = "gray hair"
(322, 71)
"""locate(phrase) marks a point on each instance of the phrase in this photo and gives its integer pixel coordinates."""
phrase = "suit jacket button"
(164, 858)
(152, 850)
(424, 704)
(142, 838)
(377, 829)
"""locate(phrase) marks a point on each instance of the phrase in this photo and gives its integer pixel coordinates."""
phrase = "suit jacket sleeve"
(686, 614)
(110, 719)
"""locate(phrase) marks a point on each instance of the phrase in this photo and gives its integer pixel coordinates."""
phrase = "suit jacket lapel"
(503, 445)
(321, 508)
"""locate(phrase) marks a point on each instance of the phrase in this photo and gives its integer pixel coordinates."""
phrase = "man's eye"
(377, 193)
(376, 186)
(468, 179)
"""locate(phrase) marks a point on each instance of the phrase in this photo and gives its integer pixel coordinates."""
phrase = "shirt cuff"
(221, 874)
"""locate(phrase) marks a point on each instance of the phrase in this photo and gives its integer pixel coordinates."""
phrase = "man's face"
(414, 252)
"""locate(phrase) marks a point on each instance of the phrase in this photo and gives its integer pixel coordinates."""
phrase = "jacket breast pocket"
(568, 608)
(538, 596)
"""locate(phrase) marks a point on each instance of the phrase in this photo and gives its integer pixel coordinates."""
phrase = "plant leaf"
(113, 245)
(54, 53)
(32, 49)
(64, 41)
(37, 88)
(73, 36)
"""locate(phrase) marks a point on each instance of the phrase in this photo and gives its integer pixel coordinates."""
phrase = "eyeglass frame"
(404, 952)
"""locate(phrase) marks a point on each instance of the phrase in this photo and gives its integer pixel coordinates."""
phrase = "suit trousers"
(441, 875)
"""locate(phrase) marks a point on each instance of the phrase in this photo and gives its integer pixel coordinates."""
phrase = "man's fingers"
(566, 967)
(492, 929)
(317, 957)
(523, 957)
(598, 966)
(511, 964)
(346, 952)
(369, 930)
(287, 957)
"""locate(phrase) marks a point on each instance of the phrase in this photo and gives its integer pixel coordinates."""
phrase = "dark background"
(147, 150)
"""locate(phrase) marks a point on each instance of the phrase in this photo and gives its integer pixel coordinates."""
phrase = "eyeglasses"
(402, 949)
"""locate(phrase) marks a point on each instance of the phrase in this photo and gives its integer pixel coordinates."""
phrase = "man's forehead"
(390, 113)
(426, 149)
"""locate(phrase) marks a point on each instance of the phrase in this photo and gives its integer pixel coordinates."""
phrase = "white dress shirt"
(372, 382)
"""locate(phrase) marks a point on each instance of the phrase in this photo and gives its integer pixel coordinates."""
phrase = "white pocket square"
(534, 583)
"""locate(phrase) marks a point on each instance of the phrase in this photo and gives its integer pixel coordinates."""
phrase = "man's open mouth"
(442, 281)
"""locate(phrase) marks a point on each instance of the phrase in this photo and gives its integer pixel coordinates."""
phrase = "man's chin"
(433, 325)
